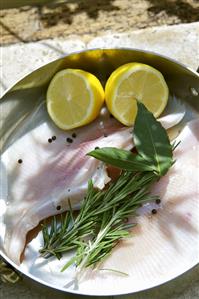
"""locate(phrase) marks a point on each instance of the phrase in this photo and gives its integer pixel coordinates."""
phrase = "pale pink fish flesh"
(51, 173)
(166, 243)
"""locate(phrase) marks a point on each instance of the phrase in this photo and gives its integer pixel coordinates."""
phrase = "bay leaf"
(151, 141)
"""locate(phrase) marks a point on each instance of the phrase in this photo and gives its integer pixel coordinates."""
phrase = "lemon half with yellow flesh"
(134, 82)
(74, 98)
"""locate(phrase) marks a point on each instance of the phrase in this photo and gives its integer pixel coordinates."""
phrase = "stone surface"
(20, 59)
(87, 18)
(179, 42)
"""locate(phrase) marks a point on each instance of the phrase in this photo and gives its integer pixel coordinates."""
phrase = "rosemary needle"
(115, 271)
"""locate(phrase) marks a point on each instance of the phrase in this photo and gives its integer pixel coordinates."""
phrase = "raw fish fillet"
(166, 243)
(50, 173)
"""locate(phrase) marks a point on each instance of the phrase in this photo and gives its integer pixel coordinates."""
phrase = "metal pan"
(22, 101)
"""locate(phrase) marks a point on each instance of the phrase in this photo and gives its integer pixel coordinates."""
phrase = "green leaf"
(151, 141)
(120, 158)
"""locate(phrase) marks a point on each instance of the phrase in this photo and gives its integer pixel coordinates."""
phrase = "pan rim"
(34, 278)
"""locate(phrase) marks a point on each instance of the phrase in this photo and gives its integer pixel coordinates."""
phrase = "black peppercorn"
(154, 211)
(20, 161)
(69, 140)
(158, 201)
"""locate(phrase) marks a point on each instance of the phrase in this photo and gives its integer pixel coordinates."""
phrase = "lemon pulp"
(74, 98)
(134, 82)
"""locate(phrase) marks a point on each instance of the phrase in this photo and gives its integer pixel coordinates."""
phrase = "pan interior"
(24, 109)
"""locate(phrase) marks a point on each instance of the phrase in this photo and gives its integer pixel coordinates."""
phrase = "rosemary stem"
(92, 247)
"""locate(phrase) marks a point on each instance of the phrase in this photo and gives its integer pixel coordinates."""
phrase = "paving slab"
(180, 42)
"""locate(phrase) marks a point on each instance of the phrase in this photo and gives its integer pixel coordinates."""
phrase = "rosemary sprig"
(120, 201)
(101, 220)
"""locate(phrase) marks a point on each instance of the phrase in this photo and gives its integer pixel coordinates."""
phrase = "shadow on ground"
(182, 9)
(54, 13)
(61, 18)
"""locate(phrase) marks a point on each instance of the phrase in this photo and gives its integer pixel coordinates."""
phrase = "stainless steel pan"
(25, 96)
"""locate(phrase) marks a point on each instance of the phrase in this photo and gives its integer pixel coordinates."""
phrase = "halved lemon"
(74, 98)
(134, 82)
